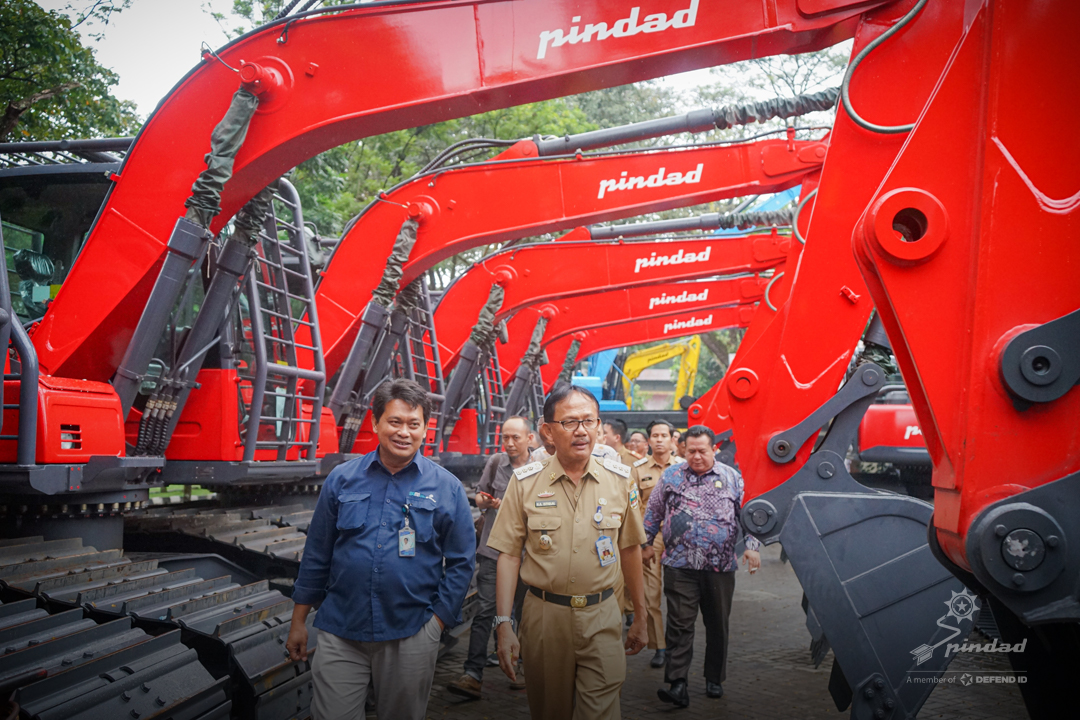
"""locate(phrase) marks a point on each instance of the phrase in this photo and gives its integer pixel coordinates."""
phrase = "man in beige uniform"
(646, 473)
(574, 518)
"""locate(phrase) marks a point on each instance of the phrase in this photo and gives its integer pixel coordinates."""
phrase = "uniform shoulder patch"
(642, 461)
(617, 467)
(526, 470)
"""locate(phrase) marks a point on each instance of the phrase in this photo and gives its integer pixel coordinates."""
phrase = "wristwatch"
(499, 620)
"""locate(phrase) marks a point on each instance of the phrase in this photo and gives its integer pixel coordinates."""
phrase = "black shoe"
(493, 660)
(659, 659)
(677, 694)
(714, 690)
(629, 619)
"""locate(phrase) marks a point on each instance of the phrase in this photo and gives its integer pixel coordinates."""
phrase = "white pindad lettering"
(684, 297)
(680, 258)
(689, 323)
(911, 431)
(626, 27)
(662, 177)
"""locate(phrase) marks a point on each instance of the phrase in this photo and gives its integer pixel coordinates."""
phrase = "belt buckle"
(579, 601)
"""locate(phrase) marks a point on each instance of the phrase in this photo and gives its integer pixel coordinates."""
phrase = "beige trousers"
(654, 593)
(574, 660)
(399, 672)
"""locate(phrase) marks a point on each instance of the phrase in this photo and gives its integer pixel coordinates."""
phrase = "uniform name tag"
(617, 467)
(606, 550)
(642, 461)
(547, 503)
(526, 470)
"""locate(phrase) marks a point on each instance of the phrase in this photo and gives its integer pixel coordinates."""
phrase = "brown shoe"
(465, 686)
(519, 673)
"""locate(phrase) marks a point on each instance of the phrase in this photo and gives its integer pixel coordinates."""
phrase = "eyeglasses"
(572, 425)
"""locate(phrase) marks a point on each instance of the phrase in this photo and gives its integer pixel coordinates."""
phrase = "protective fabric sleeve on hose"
(409, 298)
(732, 115)
(249, 220)
(570, 362)
(225, 142)
(483, 332)
(403, 245)
(535, 356)
(767, 218)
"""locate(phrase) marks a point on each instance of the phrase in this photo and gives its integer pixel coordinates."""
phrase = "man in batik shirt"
(697, 504)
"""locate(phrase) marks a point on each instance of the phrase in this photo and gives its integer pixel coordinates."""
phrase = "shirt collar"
(373, 459)
(654, 464)
(555, 469)
(690, 474)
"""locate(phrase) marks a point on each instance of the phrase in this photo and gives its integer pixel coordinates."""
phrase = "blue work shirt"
(351, 564)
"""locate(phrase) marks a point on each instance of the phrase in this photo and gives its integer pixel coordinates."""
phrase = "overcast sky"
(154, 43)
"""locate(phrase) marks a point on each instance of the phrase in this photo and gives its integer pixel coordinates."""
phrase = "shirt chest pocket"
(544, 535)
(422, 518)
(610, 526)
(352, 511)
(647, 482)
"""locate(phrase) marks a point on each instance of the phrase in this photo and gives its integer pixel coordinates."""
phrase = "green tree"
(51, 85)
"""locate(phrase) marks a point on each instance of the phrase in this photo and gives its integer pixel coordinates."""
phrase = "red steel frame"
(798, 361)
(999, 251)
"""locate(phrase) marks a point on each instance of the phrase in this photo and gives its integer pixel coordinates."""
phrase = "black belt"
(574, 601)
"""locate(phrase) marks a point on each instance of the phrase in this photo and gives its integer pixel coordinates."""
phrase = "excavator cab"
(50, 193)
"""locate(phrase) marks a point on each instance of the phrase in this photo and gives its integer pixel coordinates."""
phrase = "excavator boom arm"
(337, 75)
(505, 200)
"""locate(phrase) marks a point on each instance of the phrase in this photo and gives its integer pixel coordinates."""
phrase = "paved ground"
(770, 674)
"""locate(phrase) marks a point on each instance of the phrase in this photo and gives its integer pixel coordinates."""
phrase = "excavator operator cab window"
(48, 202)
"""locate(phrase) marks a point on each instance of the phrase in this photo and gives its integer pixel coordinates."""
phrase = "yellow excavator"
(689, 350)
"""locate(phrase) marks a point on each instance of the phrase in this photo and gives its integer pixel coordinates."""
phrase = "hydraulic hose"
(845, 85)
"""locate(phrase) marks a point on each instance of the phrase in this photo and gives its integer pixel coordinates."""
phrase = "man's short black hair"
(698, 431)
(560, 392)
(618, 427)
(654, 423)
(522, 418)
(407, 391)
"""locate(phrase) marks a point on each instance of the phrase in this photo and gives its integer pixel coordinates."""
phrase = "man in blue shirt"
(389, 555)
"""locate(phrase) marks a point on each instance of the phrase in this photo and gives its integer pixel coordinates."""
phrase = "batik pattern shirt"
(699, 515)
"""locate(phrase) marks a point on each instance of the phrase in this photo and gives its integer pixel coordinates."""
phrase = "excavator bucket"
(891, 612)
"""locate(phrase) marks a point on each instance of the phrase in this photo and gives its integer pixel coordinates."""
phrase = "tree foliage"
(51, 85)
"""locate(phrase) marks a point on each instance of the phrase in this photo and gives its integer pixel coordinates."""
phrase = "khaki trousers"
(654, 593)
(574, 659)
(399, 672)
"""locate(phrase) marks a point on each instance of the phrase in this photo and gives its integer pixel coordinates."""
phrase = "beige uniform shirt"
(544, 502)
(645, 475)
(627, 458)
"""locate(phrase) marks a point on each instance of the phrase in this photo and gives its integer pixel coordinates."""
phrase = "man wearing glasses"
(574, 518)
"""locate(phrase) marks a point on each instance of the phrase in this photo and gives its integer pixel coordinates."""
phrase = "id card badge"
(606, 550)
(406, 541)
